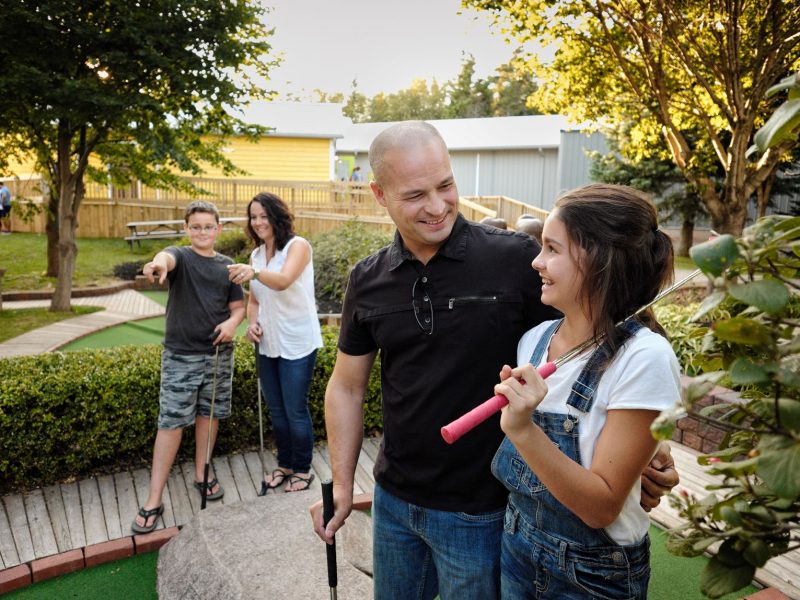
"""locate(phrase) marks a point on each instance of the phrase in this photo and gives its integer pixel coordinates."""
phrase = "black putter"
(327, 515)
(210, 427)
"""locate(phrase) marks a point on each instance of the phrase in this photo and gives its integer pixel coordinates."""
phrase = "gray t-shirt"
(199, 295)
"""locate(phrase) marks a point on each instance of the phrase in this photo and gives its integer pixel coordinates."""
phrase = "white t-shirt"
(643, 375)
(288, 318)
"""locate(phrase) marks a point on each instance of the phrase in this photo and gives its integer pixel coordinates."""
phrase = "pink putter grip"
(480, 413)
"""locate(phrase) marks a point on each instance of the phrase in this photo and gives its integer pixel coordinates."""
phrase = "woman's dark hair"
(279, 217)
(627, 259)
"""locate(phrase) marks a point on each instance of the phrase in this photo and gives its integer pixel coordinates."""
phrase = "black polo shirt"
(485, 295)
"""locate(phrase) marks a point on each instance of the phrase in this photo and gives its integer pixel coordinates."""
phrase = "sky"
(383, 44)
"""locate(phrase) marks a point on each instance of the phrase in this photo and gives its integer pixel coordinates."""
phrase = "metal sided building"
(531, 158)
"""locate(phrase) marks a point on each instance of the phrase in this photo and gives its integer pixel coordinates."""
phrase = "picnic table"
(149, 230)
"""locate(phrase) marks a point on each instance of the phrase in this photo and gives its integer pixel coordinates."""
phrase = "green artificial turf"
(145, 331)
(674, 577)
(131, 578)
(134, 578)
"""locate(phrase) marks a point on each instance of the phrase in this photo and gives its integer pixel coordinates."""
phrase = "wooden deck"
(66, 516)
(63, 517)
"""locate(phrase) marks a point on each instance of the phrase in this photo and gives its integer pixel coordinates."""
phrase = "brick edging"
(41, 569)
(76, 293)
(699, 434)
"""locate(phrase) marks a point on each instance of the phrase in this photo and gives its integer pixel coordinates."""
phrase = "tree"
(673, 67)
(415, 102)
(117, 90)
(504, 94)
(658, 177)
(357, 105)
(468, 97)
(512, 86)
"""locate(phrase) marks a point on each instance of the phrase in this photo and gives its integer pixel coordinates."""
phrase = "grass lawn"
(683, 262)
(16, 322)
(24, 257)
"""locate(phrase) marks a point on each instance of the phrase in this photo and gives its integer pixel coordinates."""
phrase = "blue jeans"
(285, 384)
(419, 552)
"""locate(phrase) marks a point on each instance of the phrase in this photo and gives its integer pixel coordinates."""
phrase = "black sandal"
(208, 487)
(146, 514)
(279, 477)
(294, 478)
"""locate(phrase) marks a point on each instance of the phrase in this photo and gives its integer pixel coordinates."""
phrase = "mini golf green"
(135, 579)
(131, 578)
(144, 331)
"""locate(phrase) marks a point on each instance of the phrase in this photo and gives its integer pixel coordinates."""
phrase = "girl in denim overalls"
(575, 446)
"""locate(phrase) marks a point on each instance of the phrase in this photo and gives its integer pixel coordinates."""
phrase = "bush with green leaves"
(337, 251)
(234, 244)
(754, 513)
(75, 413)
(128, 271)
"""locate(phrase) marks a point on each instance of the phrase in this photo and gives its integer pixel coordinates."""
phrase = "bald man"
(445, 305)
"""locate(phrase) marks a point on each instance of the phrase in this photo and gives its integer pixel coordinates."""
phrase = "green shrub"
(335, 253)
(128, 271)
(235, 244)
(686, 337)
(70, 414)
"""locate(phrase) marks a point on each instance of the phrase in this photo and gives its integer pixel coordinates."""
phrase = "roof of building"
(491, 133)
(297, 119)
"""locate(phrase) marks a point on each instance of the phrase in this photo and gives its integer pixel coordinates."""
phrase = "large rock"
(263, 549)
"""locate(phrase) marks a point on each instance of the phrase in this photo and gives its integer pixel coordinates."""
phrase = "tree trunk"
(51, 228)
(687, 237)
(67, 249)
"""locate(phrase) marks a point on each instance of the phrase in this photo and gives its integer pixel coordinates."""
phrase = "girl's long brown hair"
(628, 260)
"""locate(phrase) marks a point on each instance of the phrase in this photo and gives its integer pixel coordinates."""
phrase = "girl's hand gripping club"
(483, 411)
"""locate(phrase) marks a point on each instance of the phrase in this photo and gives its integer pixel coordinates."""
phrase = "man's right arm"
(344, 424)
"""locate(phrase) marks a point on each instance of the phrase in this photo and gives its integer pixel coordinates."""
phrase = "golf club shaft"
(207, 467)
(260, 416)
(327, 515)
(454, 430)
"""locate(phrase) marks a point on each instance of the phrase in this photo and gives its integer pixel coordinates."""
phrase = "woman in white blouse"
(282, 321)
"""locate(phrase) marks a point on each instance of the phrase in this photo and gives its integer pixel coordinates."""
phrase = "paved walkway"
(125, 305)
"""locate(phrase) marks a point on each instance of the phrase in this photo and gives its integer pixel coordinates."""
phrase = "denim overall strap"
(544, 341)
(582, 394)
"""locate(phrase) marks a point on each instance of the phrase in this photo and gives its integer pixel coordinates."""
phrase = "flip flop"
(279, 477)
(210, 486)
(294, 478)
(146, 514)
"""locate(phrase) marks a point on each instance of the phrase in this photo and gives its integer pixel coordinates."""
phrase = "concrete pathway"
(122, 306)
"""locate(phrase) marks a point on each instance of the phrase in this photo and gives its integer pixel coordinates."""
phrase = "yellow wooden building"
(300, 146)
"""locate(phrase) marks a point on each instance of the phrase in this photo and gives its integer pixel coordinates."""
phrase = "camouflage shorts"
(186, 387)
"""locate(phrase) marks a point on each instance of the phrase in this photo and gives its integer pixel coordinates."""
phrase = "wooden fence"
(506, 208)
(317, 205)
